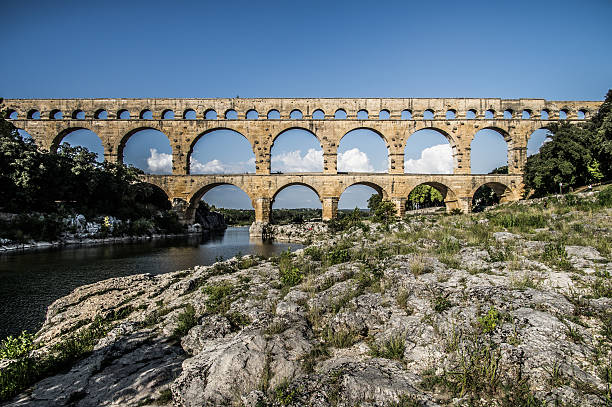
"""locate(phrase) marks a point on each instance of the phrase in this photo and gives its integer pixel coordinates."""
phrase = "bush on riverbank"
(43, 188)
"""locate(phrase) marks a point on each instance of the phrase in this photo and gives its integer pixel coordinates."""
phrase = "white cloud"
(354, 160)
(219, 167)
(294, 161)
(434, 160)
(159, 163)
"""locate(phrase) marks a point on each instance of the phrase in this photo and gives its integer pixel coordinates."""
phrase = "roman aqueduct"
(261, 121)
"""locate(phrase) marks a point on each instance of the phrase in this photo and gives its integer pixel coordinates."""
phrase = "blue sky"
(545, 49)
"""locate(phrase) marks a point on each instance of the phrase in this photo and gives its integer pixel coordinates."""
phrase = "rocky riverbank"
(505, 308)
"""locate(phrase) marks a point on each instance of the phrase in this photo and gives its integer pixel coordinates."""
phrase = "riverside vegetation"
(508, 307)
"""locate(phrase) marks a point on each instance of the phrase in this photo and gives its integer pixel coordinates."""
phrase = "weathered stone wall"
(395, 120)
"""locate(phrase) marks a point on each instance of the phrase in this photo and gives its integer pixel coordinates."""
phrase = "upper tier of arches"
(299, 109)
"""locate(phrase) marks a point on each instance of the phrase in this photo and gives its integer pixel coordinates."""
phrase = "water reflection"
(30, 282)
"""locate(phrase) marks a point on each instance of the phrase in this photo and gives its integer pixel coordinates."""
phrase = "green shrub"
(338, 256)
(219, 297)
(489, 321)
(16, 347)
(289, 273)
(392, 348)
(186, 320)
(521, 221)
(441, 303)
(604, 198)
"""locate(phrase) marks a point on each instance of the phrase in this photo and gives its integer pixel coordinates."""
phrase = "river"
(31, 281)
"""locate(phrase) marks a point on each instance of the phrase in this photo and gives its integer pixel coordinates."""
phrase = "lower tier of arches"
(458, 190)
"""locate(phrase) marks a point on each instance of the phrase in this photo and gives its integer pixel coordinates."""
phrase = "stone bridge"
(261, 121)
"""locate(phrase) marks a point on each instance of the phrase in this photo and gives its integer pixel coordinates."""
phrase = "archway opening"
(149, 150)
(232, 202)
(12, 115)
(318, 114)
(544, 114)
(537, 139)
(563, 114)
(488, 151)
(78, 115)
(451, 114)
(56, 115)
(221, 151)
(168, 114)
(210, 115)
(488, 194)
(296, 203)
(83, 138)
(146, 114)
(470, 114)
(428, 114)
(340, 114)
(425, 196)
(384, 114)
(296, 150)
(123, 114)
(273, 114)
(358, 196)
(526, 114)
(296, 114)
(508, 113)
(363, 150)
(406, 114)
(252, 114)
(189, 114)
(490, 114)
(581, 114)
(231, 114)
(428, 151)
(34, 114)
(101, 114)
(362, 114)
(25, 135)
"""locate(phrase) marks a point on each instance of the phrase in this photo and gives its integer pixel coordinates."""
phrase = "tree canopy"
(575, 155)
(71, 178)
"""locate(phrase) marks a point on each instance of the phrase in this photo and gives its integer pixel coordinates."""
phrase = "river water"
(31, 281)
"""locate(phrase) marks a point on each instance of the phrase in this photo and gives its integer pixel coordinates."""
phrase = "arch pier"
(261, 121)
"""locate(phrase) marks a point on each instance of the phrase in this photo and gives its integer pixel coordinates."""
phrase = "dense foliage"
(424, 196)
(70, 181)
(576, 155)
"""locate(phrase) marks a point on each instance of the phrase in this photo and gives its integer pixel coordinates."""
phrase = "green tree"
(576, 154)
(373, 202)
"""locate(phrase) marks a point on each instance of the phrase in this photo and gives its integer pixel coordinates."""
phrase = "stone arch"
(167, 114)
(540, 132)
(146, 114)
(419, 133)
(57, 140)
(452, 141)
(372, 151)
(230, 114)
(294, 128)
(503, 191)
(196, 197)
(78, 114)
(189, 114)
(101, 114)
(378, 132)
(160, 188)
(33, 114)
(449, 196)
(378, 188)
(210, 114)
(509, 143)
(121, 146)
(199, 136)
(290, 184)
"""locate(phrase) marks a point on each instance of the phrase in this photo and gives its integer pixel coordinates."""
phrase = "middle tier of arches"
(261, 137)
